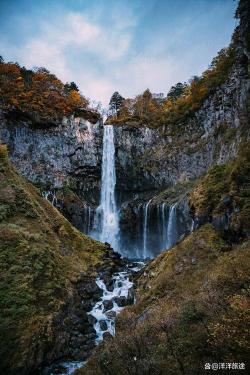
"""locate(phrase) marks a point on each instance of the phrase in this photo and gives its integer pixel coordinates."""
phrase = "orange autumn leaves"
(38, 92)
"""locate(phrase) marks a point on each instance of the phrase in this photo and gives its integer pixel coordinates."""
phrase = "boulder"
(108, 305)
(103, 325)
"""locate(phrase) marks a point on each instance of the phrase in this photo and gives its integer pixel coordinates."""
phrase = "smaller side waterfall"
(159, 228)
(172, 235)
(145, 227)
(164, 217)
(50, 196)
(87, 219)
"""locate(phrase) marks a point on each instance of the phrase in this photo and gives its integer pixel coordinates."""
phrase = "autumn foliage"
(182, 100)
(37, 93)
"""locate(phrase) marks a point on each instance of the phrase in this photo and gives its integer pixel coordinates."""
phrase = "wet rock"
(110, 286)
(121, 301)
(91, 319)
(111, 314)
(131, 296)
(103, 325)
(92, 288)
(108, 305)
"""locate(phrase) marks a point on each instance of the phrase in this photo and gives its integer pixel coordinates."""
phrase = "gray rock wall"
(149, 159)
(67, 155)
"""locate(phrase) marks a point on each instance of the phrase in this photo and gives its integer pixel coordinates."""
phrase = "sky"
(116, 45)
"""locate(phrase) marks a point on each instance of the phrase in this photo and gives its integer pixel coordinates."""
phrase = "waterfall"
(106, 220)
(50, 196)
(87, 219)
(159, 228)
(145, 227)
(163, 226)
(172, 226)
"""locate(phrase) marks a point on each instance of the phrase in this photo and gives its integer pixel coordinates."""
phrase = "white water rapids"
(105, 311)
(106, 316)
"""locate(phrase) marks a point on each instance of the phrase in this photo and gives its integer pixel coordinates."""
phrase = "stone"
(121, 301)
(131, 296)
(103, 325)
(108, 305)
(110, 286)
(111, 314)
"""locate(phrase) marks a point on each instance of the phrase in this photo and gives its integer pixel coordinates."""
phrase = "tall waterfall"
(106, 218)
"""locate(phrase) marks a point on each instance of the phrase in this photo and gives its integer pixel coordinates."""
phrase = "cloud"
(117, 47)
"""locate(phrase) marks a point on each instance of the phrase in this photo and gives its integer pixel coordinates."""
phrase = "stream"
(115, 296)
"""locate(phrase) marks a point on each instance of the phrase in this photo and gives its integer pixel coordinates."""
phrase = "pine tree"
(115, 103)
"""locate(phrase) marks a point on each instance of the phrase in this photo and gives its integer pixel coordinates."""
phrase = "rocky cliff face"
(66, 155)
(151, 159)
(148, 160)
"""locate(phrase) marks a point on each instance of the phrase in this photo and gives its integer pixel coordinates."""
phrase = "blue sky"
(123, 45)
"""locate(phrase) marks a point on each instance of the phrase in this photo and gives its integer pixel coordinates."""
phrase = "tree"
(40, 69)
(115, 103)
(71, 87)
(176, 91)
(143, 103)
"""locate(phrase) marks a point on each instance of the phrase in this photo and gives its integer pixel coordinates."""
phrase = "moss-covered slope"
(223, 195)
(41, 256)
(192, 301)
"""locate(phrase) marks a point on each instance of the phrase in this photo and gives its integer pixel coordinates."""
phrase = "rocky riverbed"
(108, 295)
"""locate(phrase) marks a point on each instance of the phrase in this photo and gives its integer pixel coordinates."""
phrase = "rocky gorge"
(83, 199)
(67, 158)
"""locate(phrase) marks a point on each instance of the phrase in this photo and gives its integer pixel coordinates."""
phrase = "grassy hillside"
(41, 254)
(193, 301)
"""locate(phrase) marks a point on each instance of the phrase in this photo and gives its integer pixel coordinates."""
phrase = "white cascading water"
(145, 232)
(164, 225)
(87, 219)
(107, 220)
(50, 196)
(122, 284)
(167, 234)
(172, 225)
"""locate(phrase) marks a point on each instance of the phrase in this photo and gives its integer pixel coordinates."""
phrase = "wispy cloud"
(118, 45)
